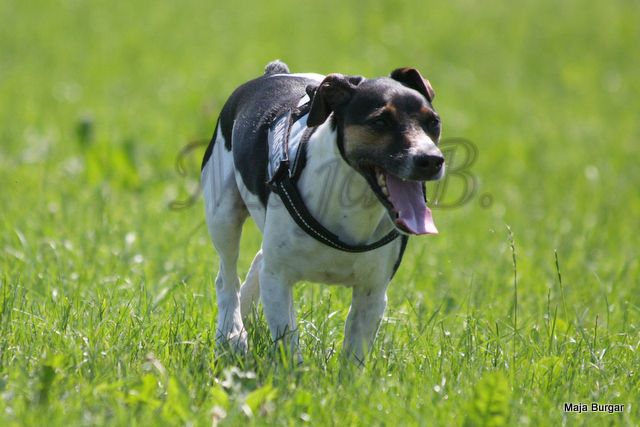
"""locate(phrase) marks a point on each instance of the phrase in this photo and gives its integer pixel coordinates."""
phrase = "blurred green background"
(98, 98)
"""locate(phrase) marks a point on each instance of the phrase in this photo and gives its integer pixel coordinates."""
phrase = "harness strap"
(291, 199)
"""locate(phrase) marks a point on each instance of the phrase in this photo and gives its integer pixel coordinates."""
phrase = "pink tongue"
(408, 200)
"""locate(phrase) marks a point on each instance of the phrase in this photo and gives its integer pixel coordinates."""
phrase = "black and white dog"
(332, 171)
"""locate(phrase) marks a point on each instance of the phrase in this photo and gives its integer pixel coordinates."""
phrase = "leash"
(283, 176)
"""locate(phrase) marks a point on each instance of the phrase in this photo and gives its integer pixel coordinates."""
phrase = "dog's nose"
(428, 164)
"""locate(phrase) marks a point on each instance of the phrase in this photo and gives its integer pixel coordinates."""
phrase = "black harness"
(287, 158)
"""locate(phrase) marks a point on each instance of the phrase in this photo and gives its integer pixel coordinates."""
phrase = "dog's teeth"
(382, 183)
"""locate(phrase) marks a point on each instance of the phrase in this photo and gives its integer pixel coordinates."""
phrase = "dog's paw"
(236, 342)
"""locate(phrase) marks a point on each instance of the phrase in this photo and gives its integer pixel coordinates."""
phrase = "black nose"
(428, 164)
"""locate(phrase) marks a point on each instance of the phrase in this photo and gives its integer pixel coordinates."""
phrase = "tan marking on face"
(359, 139)
(391, 108)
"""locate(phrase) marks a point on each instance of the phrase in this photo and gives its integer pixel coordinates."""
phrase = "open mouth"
(405, 201)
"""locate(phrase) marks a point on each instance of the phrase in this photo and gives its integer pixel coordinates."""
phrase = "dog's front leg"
(230, 329)
(365, 314)
(277, 300)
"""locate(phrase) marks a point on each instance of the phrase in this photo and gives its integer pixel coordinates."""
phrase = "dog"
(332, 170)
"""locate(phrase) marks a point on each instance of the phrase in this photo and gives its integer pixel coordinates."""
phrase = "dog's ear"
(334, 91)
(356, 80)
(412, 78)
(311, 90)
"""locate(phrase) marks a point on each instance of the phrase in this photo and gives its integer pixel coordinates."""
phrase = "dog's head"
(388, 132)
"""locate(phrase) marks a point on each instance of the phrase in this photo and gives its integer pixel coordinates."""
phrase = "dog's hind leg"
(226, 213)
(250, 290)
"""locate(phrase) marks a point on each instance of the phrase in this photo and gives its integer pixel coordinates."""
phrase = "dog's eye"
(433, 125)
(381, 123)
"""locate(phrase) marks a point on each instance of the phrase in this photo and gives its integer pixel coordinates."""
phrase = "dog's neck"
(338, 196)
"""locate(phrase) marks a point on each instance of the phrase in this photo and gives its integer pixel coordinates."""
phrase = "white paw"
(236, 341)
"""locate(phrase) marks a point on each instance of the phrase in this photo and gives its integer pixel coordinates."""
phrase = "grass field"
(107, 303)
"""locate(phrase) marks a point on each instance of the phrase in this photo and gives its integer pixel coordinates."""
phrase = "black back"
(245, 120)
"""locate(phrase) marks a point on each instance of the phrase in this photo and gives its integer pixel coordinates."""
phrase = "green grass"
(107, 303)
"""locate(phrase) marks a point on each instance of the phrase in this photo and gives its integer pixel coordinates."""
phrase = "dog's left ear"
(334, 91)
(412, 78)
